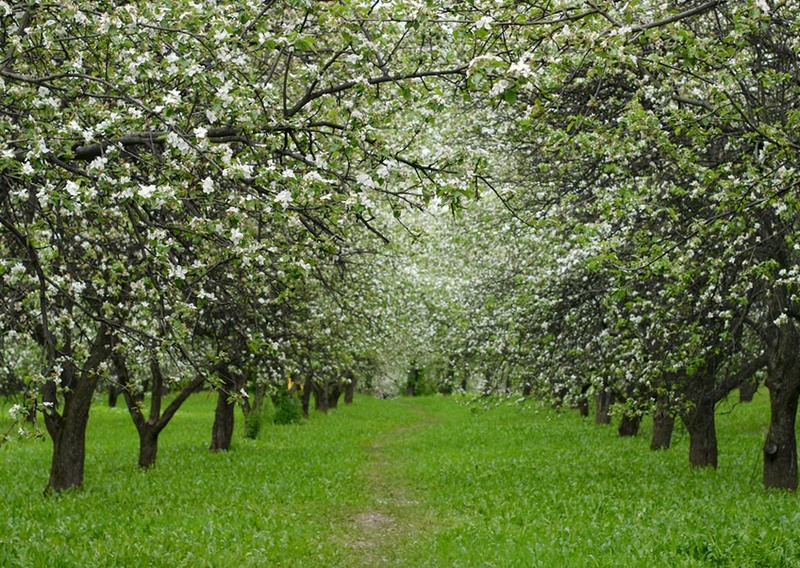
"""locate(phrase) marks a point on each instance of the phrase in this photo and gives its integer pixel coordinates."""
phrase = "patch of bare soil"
(376, 532)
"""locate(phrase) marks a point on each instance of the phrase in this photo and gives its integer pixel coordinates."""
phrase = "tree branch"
(313, 95)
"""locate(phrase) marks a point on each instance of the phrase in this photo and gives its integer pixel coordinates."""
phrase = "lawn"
(403, 482)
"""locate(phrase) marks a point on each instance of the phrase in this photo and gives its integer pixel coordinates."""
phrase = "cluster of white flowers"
(763, 5)
(284, 198)
(236, 236)
(177, 272)
(365, 180)
(16, 412)
(485, 23)
(179, 143)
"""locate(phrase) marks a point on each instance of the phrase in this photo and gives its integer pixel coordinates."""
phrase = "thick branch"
(680, 16)
(737, 379)
(176, 403)
(313, 95)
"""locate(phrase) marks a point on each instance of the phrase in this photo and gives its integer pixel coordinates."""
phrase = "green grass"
(402, 482)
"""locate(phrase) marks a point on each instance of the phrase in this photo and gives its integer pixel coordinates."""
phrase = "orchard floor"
(435, 481)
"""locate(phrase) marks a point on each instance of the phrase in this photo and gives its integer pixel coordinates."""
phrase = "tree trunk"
(747, 391)
(629, 425)
(350, 390)
(113, 394)
(68, 430)
(305, 400)
(69, 444)
(602, 414)
(701, 426)
(148, 448)
(222, 431)
(149, 430)
(583, 406)
(320, 397)
(783, 382)
(334, 393)
(663, 426)
(780, 447)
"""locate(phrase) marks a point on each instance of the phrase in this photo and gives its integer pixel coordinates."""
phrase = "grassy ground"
(402, 482)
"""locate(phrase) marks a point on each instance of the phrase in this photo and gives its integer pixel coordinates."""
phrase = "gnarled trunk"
(700, 423)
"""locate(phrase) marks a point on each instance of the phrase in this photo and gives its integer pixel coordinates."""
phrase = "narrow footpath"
(395, 516)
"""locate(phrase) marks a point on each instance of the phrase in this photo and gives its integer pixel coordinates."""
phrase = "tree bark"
(222, 431)
(350, 389)
(603, 414)
(113, 394)
(69, 442)
(583, 406)
(780, 447)
(747, 391)
(320, 396)
(334, 393)
(148, 448)
(68, 430)
(663, 426)
(305, 400)
(783, 382)
(700, 423)
(629, 425)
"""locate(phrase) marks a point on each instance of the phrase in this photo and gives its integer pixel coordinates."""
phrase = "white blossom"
(17, 270)
(15, 411)
(77, 288)
(485, 23)
(781, 320)
(173, 98)
(72, 188)
(177, 272)
(284, 198)
(366, 180)
(146, 191)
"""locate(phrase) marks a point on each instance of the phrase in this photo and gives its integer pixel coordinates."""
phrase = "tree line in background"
(245, 195)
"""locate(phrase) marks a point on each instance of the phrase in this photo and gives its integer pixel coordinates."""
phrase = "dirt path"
(395, 515)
